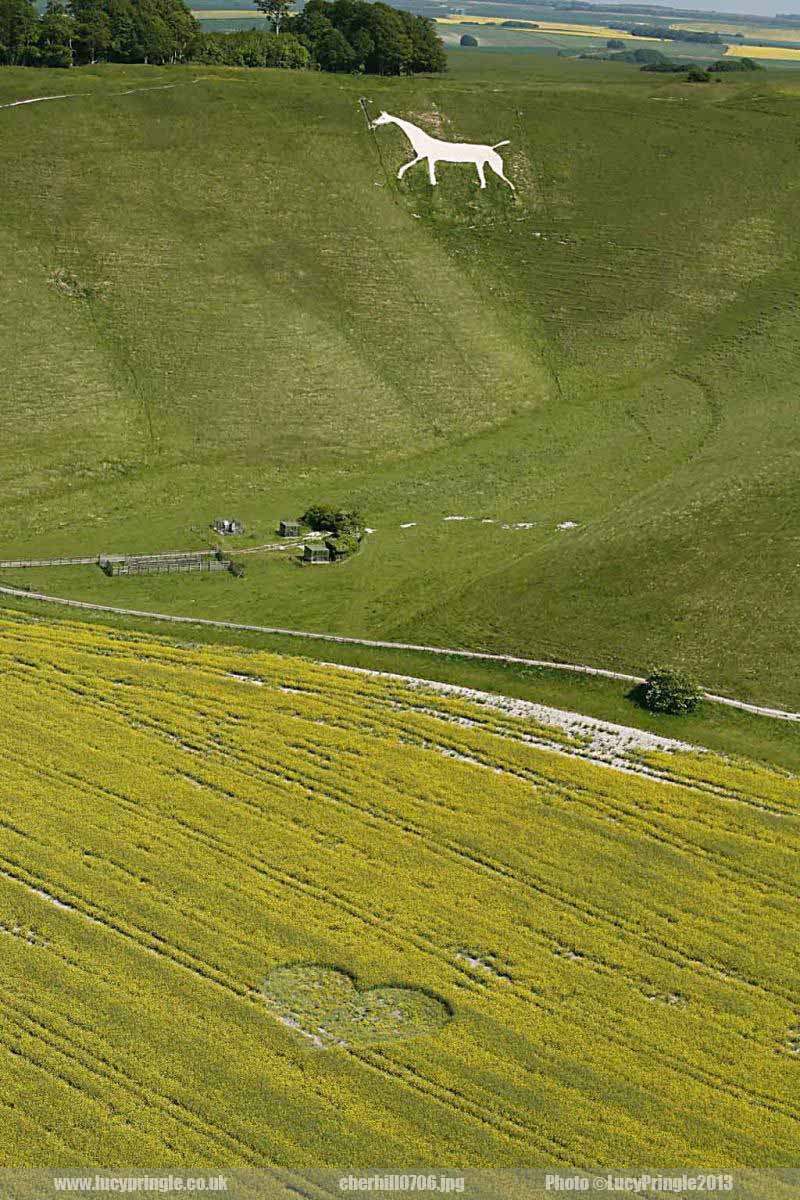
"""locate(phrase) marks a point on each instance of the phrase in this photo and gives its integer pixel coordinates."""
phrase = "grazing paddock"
(276, 912)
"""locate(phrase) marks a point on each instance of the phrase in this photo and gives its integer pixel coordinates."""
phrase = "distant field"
(233, 815)
(768, 52)
(496, 37)
(548, 26)
(769, 33)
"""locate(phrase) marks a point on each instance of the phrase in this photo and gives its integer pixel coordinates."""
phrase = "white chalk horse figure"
(435, 151)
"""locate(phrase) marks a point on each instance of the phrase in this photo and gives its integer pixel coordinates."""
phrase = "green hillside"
(215, 299)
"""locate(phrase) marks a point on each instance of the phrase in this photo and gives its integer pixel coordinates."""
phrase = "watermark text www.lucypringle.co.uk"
(677, 1184)
(128, 1184)
(446, 1184)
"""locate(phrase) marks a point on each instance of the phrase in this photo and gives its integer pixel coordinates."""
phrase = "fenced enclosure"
(139, 564)
(165, 564)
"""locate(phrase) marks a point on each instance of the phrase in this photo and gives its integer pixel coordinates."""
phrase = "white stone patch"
(604, 742)
(408, 525)
(567, 525)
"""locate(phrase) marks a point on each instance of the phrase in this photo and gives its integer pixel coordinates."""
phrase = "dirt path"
(575, 668)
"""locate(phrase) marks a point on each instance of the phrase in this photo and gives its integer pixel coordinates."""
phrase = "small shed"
(316, 552)
(226, 525)
(289, 529)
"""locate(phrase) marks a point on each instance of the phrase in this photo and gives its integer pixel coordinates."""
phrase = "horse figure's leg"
(432, 170)
(496, 163)
(405, 166)
(481, 175)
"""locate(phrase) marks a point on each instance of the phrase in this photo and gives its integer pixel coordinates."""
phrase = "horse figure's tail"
(497, 145)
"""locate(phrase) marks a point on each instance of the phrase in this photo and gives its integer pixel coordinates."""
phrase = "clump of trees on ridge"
(352, 35)
(342, 35)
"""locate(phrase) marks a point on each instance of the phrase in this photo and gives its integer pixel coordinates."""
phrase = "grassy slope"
(279, 321)
(233, 829)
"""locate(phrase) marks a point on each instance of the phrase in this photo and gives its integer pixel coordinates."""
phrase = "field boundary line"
(376, 644)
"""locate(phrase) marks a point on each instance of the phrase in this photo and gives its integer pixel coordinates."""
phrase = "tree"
(698, 76)
(427, 51)
(349, 520)
(333, 52)
(669, 691)
(363, 47)
(393, 53)
(19, 33)
(326, 518)
(615, 44)
(154, 36)
(380, 40)
(274, 11)
(56, 31)
(320, 517)
(468, 39)
(92, 37)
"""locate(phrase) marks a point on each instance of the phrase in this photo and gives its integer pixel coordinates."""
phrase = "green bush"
(321, 517)
(727, 65)
(698, 76)
(669, 691)
(327, 519)
(342, 544)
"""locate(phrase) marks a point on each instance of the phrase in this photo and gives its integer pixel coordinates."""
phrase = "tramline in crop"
(255, 909)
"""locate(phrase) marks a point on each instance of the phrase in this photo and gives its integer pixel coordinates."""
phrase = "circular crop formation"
(326, 1005)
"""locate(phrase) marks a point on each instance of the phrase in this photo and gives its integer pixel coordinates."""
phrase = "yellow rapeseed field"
(777, 52)
(256, 910)
(548, 26)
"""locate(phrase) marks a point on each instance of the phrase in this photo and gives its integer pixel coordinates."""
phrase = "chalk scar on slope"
(607, 744)
(41, 99)
(161, 87)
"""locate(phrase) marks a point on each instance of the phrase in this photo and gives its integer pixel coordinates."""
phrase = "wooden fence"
(96, 560)
(139, 564)
(49, 562)
(151, 564)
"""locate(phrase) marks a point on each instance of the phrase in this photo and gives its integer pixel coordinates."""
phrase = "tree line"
(331, 35)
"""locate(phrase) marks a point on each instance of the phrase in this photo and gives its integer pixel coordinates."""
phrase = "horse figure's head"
(383, 119)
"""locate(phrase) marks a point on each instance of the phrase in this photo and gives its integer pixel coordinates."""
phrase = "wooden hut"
(316, 552)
